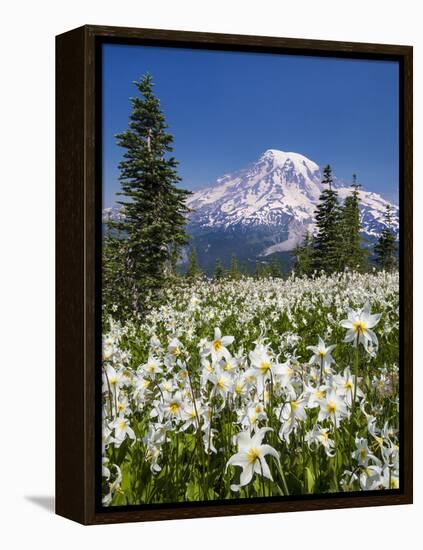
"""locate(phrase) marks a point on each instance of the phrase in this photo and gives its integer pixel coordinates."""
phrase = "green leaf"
(310, 480)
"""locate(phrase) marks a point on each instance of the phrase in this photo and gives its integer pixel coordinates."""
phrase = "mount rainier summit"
(268, 207)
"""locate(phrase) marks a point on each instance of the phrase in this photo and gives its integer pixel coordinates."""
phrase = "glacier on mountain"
(279, 192)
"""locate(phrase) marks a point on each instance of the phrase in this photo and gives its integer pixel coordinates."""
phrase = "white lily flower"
(122, 430)
(151, 368)
(332, 406)
(362, 453)
(218, 346)
(322, 354)
(113, 487)
(251, 457)
(359, 325)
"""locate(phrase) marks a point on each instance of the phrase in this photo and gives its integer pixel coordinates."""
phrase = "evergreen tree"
(275, 267)
(153, 208)
(193, 269)
(234, 273)
(116, 283)
(258, 272)
(244, 269)
(327, 241)
(219, 271)
(266, 270)
(303, 257)
(351, 254)
(386, 247)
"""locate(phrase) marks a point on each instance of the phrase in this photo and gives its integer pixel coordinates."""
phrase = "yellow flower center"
(319, 394)
(121, 406)
(217, 345)
(253, 454)
(363, 453)
(264, 367)
(174, 407)
(221, 383)
(151, 368)
(321, 354)
(176, 351)
(331, 407)
(294, 406)
(359, 326)
(122, 425)
(238, 389)
(258, 409)
(348, 385)
(324, 436)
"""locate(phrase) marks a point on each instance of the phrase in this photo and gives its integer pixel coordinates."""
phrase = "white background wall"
(27, 270)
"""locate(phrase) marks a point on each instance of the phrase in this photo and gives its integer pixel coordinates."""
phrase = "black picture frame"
(78, 247)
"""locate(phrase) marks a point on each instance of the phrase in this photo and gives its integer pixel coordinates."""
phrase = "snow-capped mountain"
(275, 197)
(266, 209)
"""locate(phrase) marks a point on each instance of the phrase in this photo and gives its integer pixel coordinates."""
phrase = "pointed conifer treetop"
(153, 206)
(327, 243)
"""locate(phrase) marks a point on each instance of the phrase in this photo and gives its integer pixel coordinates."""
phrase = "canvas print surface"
(250, 285)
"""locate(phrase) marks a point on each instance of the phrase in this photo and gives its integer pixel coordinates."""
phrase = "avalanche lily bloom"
(359, 325)
(344, 385)
(290, 414)
(320, 436)
(175, 348)
(122, 429)
(222, 381)
(251, 457)
(332, 406)
(113, 487)
(362, 453)
(217, 347)
(111, 379)
(322, 354)
(152, 367)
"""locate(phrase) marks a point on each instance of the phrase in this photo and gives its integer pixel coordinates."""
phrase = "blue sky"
(225, 109)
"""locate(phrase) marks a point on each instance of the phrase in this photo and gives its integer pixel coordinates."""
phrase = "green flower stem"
(354, 396)
(198, 432)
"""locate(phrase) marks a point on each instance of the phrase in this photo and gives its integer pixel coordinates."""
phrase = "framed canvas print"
(234, 275)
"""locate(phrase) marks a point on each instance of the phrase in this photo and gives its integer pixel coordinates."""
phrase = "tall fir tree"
(219, 270)
(327, 244)
(193, 269)
(116, 280)
(275, 267)
(233, 271)
(153, 208)
(351, 253)
(244, 269)
(386, 247)
(258, 271)
(303, 257)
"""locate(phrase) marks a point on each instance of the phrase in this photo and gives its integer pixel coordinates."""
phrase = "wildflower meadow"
(253, 388)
